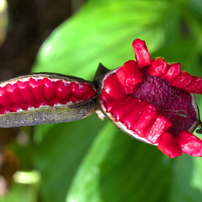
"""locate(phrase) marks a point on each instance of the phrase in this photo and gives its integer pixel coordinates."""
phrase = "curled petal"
(113, 88)
(145, 120)
(175, 76)
(4, 97)
(136, 109)
(169, 145)
(142, 54)
(129, 75)
(132, 73)
(195, 85)
(185, 81)
(14, 93)
(173, 70)
(158, 67)
(190, 144)
(159, 127)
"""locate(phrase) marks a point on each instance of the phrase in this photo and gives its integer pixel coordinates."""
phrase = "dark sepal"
(99, 75)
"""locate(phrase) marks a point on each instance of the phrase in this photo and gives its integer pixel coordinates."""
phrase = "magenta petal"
(169, 145)
(37, 88)
(132, 73)
(142, 54)
(129, 75)
(26, 92)
(89, 95)
(145, 120)
(5, 99)
(158, 128)
(174, 70)
(14, 93)
(49, 89)
(190, 144)
(158, 67)
(113, 87)
(175, 76)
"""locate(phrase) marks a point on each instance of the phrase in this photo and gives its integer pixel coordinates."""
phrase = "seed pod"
(146, 109)
(42, 98)
(153, 101)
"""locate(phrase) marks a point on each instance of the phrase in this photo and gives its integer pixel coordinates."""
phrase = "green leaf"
(20, 192)
(59, 152)
(88, 160)
(186, 183)
(89, 170)
(118, 168)
(103, 32)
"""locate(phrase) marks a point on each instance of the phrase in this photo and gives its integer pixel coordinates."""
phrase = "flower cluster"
(152, 101)
(149, 99)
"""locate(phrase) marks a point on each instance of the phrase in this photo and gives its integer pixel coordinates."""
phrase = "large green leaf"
(97, 33)
(20, 192)
(60, 152)
(88, 160)
(103, 32)
(119, 168)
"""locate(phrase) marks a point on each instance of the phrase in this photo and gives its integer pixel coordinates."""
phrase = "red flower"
(152, 101)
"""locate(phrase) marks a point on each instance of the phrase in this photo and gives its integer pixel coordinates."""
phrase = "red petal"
(63, 90)
(158, 67)
(89, 95)
(182, 80)
(185, 81)
(110, 105)
(123, 108)
(190, 144)
(49, 89)
(137, 108)
(121, 76)
(54, 102)
(14, 93)
(5, 99)
(6, 110)
(26, 92)
(169, 145)
(159, 127)
(43, 102)
(79, 89)
(37, 85)
(172, 71)
(195, 85)
(142, 54)
(145, 120)
(105, 97)
(129, 75)
(73, 99)
(175, 76)
(113, 87)
(132, 73)
(15, 108)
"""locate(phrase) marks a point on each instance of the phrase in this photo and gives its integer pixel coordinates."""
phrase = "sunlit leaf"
(20, 192)
(60, 152)
(88, 160)
(118, 168)
(103, 32)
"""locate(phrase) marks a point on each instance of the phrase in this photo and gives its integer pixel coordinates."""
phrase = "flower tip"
(142, 54)
(169, 145)
(158, 67)
(137, 41)
(190, 144)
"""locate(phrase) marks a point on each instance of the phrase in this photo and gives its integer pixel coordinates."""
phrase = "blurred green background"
(91, 160)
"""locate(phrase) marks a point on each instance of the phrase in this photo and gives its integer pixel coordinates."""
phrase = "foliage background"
(90, 160)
